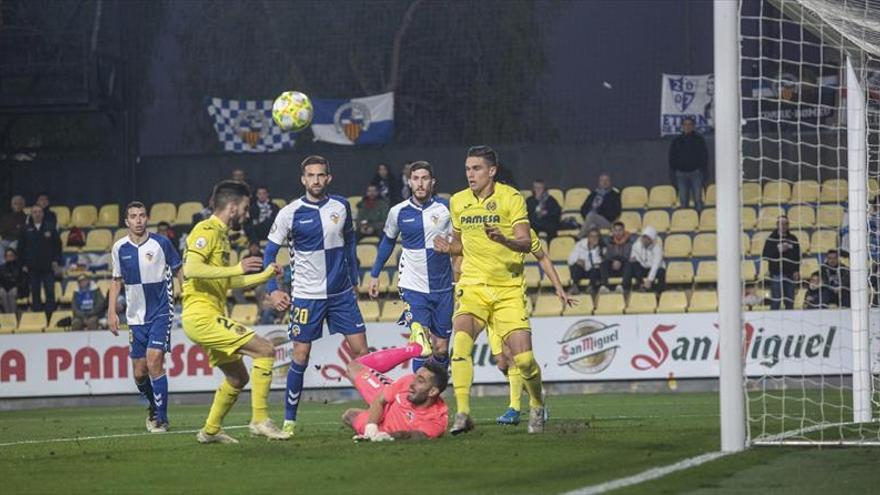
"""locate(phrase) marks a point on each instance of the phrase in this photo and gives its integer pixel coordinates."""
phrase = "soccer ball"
(292, 111)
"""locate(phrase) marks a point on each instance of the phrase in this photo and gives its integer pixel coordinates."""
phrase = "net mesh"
(799, 343)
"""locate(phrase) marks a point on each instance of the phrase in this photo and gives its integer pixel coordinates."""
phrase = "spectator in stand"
(585, 262)
(783, 255)
(13, 282)
(238, 174)
(389, 188)
(372, 211)
(259, 290)
(40, 253)
(544, 211)
(602, 206)
(405, 191)
(617, 253)
(88, 305)
(689, 164)
(12, 223)
(818, 296)
(48, 215)
(164, 229)
(205, 212)
(261, 215)
(646, 263)
(835, 278)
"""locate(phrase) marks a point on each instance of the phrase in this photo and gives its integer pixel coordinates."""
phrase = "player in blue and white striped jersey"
(319, 232)
(425, 275)
(145, 264)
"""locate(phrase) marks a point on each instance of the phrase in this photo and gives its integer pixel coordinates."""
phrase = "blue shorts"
(433, 311)
(153, 335)
(341, 312)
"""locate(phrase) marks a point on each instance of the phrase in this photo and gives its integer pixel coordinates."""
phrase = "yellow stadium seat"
(801, 217)
(709, 196)
(383, 279)
(392, 260)
(7, 323)
(532, 276)
(749, 272)
(64, 247)
(163, 212)
(707, 220)
(98, 240)
(558, 195)
(672, 301)
(679, 272)
(748, 218)
(634, 197)
(610, 304)
(57, 316)
(574, 199)
(186, 211)
(803, 239)
(677, 246)
(526, 193)
(799, 297)
(369, 310)
(108, 216)
(809, 266)
(366, 255)
(66, 296)
(684, 221)
(751, 193)
(659, 219)
(704, 245)
(119, 234)
(31, 322)
(246, 314)
(560, 248)
(703, 301)
(758, 240)
(547, 305)
(632, 220)
(62, 213)
(393, 288)
(444, 195)
(564, 273)
(392, 310)
(583, 306)
(84, 216)
(662, 197)
(707, 272)
(641, 303)
(823, 240)
(768, 217)
(805, 191)
(829, 216)
(776, 192)
(873, 187)
(834, 191)
(374, 240)
(746, 242)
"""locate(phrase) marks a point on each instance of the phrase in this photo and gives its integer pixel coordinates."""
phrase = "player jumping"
(408, 408)
(491, 231)
(207, 280)
(425, 275)
(145, 263)
(318, 231)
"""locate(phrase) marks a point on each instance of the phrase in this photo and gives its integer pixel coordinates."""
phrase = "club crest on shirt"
(273, 228)
(201, 242)
(334, 217)
(239, 329)
(491, 205)
(295, 330)
(410, 416)
(435, 219)
(149, 256)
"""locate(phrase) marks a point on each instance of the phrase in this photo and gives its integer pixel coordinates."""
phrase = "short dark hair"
(314, 160)
(539, 181)
(440, 375)
(266, 188)
(615, 224)
(832, 251)
(42, 193)
(10, 250)
(164, 224)
(815, 274)
(134, 204)
(691, 119)
(229, 191)
(484, 152)
(421, 165)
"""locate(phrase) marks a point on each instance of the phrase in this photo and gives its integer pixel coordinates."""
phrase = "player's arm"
(374, 415)
(250, 280)
(547, 267)
(350, 249)
(386, 247)
(279, 234)
(456, 268)
(521, 241)
(450, 245)
(409, 435)
(112, 316)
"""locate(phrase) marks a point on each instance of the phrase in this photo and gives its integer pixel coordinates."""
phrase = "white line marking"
(650, 474)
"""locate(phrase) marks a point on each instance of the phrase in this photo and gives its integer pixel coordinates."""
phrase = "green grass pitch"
(590, 439)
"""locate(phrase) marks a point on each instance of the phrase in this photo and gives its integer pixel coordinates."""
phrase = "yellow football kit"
(495, 342)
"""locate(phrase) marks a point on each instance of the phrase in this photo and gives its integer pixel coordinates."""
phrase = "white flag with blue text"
(368, 120)
(246, 126)
(687, 97)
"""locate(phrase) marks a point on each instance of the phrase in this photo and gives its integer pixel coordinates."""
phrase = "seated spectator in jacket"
(13, 282)
(372, 211)
(261, 215)
(585, 262)
(782, 252)
(617, 252)
(689, 164)
(602, 206)
(544, 211)
(40, 252)
(405, 191)
(835, 278)
(386, 182)
(646, 263)
(818, 295)
(88, 305)
(12, 223)
(49, 215)
(165, 230)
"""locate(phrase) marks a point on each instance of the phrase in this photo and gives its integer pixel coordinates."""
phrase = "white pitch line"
(650, 474)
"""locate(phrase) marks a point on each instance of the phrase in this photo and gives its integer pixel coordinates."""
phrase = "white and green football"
(292, 111)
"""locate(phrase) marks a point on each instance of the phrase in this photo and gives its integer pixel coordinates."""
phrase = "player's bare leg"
(155, 363)
(520, 344)
(142, 381)
(358, 344)
(467, 328)
(263, 353)
(236, 377)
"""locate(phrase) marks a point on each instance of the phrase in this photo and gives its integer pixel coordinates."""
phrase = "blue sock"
(294, 389)
(160, 397)
(146, 390)
(417, 363)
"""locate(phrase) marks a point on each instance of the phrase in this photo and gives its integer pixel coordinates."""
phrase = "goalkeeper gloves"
(372, 434)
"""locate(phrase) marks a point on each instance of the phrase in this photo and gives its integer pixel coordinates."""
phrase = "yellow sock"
(531, 375)
(462, 370)
(261, 380)
(224, 399)
(514, 377)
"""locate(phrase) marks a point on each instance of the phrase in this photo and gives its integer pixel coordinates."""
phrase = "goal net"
(810, 142)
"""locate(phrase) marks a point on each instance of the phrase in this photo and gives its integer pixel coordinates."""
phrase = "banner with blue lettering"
(687, 96)
(368, 120)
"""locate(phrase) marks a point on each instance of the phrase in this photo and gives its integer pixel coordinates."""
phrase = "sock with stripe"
(462, 370)
(261, 381)
(531, 375)
(224, 399)
(295, 376)
(160, 397)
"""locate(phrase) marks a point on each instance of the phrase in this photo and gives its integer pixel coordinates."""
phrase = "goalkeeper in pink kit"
(408, 408)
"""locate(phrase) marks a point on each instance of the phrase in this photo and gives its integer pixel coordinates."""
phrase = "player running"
(408, 408)
(145, 264)
(491, 231)
(318, 231)
(425, 275)
(207, 280)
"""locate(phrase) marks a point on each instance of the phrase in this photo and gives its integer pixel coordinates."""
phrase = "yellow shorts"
(503, 309)
(218, 335)
(496, 345)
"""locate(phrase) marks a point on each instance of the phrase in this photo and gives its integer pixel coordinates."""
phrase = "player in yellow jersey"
(490, 230)
(207, 278)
